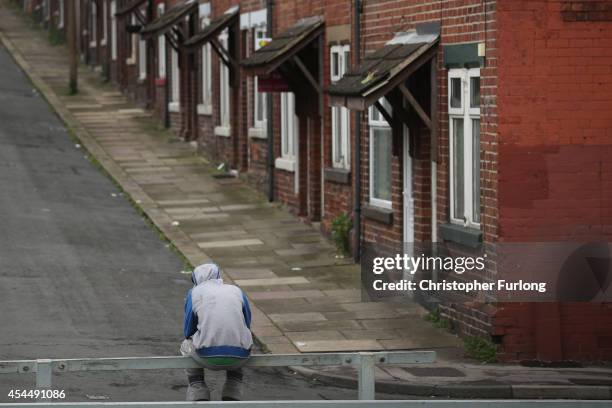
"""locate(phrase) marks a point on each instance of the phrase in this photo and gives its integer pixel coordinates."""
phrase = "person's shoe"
(198, 392)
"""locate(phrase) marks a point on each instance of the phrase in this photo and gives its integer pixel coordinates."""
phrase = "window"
(113, 10)
(464, 127)
(93, 25)
(142, 59)
(206, 75)
(340, 115)
(132, 43)
(60, 22)
(380, 157)
(104, 22)
(224, 86)
(289, 135)
(259, 103)
(175, 91)
(161, 48)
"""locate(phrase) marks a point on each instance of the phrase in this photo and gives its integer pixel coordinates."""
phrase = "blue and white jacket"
(217, 316)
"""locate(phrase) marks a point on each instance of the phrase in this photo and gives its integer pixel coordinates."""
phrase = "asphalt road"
(82, 274)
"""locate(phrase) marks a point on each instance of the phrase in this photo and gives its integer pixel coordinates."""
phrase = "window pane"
(337, 134)
(381, 163)
(455, 101)
(458, 169)
(475, 92)
(476, 169)
(335, 64)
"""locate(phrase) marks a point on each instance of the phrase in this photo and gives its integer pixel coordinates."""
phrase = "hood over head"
(205, 272)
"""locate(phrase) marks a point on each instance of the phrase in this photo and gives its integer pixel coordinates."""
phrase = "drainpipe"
(357, 198)
(270, 111)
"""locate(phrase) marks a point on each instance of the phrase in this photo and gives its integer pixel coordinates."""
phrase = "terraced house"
(466, 122)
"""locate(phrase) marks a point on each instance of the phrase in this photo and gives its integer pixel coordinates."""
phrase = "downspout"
(270, 110)
(357, 166)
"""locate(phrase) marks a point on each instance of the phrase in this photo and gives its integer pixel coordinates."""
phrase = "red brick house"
(467, 122)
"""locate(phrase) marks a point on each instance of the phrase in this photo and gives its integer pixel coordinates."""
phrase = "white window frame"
(93, 15)
(104, 23)
(259, 108)
(289, 134)
(340, 115)
(113, 10)
(468, 114)
(377, 121)
(142, 59)
(224, 90)
(134, 42)
(205, 108)
(161, 47)
(175, 89)
(60, 22)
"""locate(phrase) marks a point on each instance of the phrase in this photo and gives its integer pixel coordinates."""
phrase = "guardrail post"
(44, 372)
(367, 377)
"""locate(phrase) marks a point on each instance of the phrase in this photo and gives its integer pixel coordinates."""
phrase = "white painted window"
(289, 126)
(133, 43)
(93, 25)
(339, 64)
(380, 157)
(113, 10)
(175, 91)
(142, 59)
(161, 47)
(464, 130)
(206, 75)
(104, 22)
(60, 21)
(259, 98)
(224, 85)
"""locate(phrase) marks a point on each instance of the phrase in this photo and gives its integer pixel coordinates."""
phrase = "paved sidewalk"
(304, 298)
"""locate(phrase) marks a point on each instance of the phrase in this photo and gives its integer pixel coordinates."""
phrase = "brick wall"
(555, 93)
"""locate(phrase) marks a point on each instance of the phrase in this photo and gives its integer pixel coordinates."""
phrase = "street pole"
(72, 33)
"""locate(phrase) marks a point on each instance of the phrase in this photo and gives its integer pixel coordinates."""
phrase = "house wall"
(555, 93)
(466, 21)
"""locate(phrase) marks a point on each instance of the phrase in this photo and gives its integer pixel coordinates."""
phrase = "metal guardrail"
(364, 361)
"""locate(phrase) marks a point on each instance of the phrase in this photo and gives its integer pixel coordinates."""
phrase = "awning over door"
(385, 69)
(284, 46)
(211, 31)
(169, 19)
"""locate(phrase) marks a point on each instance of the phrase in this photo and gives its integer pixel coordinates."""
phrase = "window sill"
(130, 61)
(223, 131)
(337, 175)
(103, 42)
(284, 163)
(142, 79)
(378, 214)
(174, 107)
(93, 44)
(470, 237)
(204, 109)
(258, 133)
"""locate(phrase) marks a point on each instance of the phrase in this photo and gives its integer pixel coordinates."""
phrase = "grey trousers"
(197, 389)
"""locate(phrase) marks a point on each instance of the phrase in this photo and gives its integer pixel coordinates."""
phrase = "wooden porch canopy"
(209, 34)
(292, 54)
(133, 6)
(386, 70)
(169, 24)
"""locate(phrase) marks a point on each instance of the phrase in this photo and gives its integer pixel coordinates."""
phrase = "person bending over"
(217, 331)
